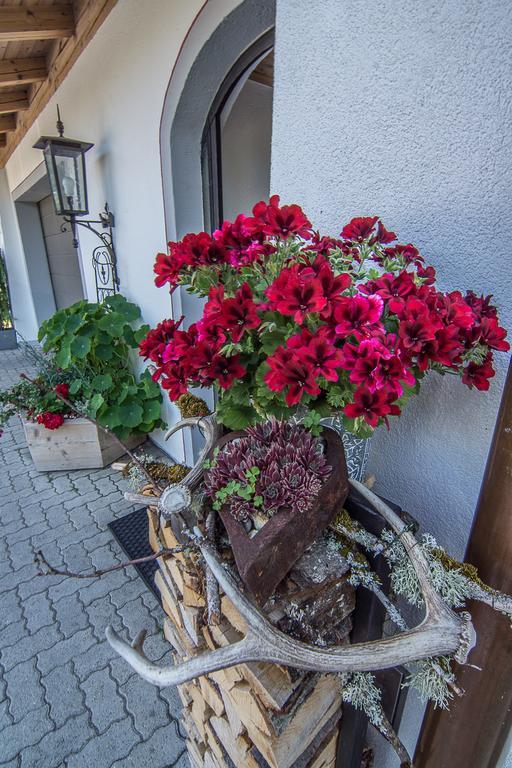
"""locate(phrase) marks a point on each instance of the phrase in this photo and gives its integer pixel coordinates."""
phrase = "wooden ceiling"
(40, 40)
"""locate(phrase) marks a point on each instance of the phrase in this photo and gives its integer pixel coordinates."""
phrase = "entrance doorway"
(62, 257)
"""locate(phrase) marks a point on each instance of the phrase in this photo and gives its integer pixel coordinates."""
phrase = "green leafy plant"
(91, 342)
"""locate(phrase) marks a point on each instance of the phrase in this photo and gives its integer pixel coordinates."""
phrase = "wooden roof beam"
(12, 101)
(22, 71)
(35, 23)
(7, 123)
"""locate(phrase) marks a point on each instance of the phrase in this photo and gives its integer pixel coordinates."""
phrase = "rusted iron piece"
(264, 560)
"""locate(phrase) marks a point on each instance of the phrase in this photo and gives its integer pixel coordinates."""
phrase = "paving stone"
(71, 614)
(63, 694)
(24, 689)
(96, 657)
(64, 650)
(101, 752)
(56, 746)
(38, 612)
(27, 732)
(12, 633)
(29, 646)
(161, 750)
(103, 700)
(143, 702)
(101, 587)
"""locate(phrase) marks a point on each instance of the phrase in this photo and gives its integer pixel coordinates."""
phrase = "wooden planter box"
(77, 444)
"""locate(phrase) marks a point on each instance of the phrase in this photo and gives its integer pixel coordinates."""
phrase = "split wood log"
(442, 632)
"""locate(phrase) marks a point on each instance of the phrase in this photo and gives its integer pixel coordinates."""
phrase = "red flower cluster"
(365, 340)
(237, 243)
(50, 420)
(62, 390)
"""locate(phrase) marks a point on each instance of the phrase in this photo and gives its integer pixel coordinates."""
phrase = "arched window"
(236, 142)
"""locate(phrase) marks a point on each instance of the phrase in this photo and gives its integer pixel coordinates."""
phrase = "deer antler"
(442, 632)
(177, 497)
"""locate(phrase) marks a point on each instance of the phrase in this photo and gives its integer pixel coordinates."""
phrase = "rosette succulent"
(276, 465)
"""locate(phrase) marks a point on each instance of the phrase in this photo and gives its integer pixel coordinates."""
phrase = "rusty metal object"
(475, 730)
(264, 560)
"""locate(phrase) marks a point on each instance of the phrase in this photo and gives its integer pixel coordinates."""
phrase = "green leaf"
(150, 387)
(236, 417)
(103, 352)
(131, 414)
(73, 323)
(110, 417)
(151, 410)
(75, 386)
(102, 382)
(80, 346)
(141, 333)
(112, 325)
(96, 402)
(129, 336)
(272, 339)
(63, 356)
(121, 306)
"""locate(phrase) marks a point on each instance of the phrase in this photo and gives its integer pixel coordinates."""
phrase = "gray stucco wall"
(403, 109)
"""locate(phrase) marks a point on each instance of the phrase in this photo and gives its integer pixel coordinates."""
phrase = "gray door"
(62, 257)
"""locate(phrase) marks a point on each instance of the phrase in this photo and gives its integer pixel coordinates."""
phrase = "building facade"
(198, 109)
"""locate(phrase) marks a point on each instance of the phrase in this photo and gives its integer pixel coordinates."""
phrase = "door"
(62, 257)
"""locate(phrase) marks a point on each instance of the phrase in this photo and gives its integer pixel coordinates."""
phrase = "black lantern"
(65, 165)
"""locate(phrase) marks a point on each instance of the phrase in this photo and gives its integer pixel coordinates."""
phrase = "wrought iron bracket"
(104, 258)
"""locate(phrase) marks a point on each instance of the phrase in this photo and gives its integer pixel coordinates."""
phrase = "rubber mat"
(131, 533)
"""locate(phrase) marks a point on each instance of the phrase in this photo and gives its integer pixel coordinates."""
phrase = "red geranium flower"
(283, 221)
(50, 420)
(62, 390)
(243, 241)
(296, 293)
(478, 375)
(383, 235)
(238, 314)
(156, 340)
(318, 351)
(358, 315)
(174, 380)
(166, 270)
(225, 370)
(371, 406)
(287, 369)
(493, 334)
(359, 228)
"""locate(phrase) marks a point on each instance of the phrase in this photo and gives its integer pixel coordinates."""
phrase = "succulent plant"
(277, 465)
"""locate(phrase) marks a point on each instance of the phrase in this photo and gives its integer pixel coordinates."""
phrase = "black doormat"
(132, 534)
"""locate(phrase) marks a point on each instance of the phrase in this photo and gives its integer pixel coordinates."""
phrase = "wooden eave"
(40, 40)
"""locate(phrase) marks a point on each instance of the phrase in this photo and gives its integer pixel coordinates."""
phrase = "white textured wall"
(403, 109)
(114, 97)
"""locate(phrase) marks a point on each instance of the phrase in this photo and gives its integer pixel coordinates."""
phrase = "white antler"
(442, 632)
(177, 497)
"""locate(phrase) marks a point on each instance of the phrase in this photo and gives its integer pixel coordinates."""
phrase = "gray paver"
(66, 699)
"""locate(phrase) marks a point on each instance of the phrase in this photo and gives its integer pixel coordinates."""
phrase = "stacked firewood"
(256, 714)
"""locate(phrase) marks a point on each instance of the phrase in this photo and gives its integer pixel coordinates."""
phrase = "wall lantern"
(65, 166)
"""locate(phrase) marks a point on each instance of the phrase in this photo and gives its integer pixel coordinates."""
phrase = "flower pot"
(77, 444)
(265, 559)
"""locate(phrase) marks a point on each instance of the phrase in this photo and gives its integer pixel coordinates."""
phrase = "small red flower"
(226, 370)
(478, 375)
(153, 345)
(383, 235)
(318, 351)
(296, 293)
(359, 228)
(371, 406)
(166, 270)
(358, 315)
(50, 420)
(288, 370)
(62, 390)
(276, 221)
(238, 315)
(493, 334)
